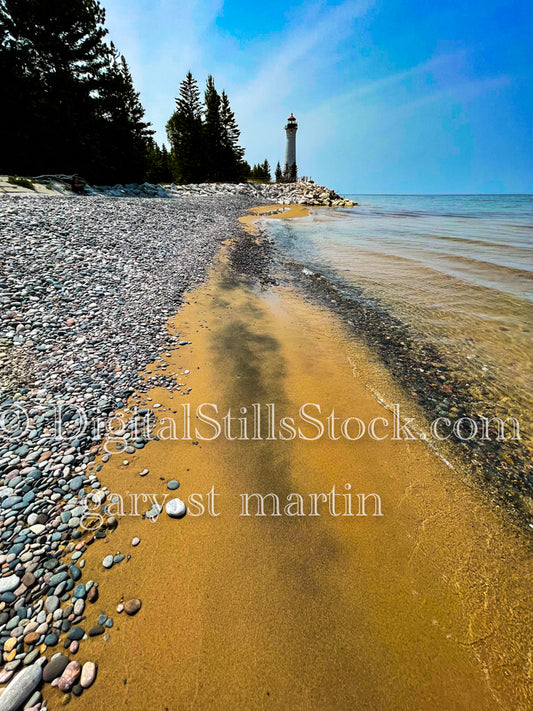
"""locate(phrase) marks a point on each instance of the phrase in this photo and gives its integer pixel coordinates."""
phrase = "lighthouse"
(291, 171)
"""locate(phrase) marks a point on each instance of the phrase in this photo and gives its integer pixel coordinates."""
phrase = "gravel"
(86, 287)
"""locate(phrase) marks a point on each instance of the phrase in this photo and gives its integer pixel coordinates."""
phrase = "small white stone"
(175, 508)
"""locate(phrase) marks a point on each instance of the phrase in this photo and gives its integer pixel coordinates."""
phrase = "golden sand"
(272, 211)
(422, 608)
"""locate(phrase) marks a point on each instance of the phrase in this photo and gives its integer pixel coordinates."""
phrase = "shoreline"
(194, 558)
(259, 338)
(419, 369)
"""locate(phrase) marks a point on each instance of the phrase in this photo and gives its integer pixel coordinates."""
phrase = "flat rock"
(21, 687)
(75, 633)
(96, 630)
(8, 584)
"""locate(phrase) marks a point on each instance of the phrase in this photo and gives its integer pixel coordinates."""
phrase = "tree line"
(70, 106)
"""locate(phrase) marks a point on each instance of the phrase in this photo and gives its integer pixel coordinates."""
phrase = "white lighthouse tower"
(290, 172)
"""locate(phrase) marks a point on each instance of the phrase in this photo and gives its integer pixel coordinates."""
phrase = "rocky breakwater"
(301, 193)
(86, 289)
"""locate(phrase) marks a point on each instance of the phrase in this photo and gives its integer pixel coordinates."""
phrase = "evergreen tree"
(293, 173)
(213, 140)
(166, 176)
(232, 153)
(278, 173)
(157, 165)
(124, 137)
(51, 56)
(185, 133)
(244, 170)
(69, 102)
(266, 171)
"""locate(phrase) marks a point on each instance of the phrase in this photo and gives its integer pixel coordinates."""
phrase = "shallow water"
(456, 268)
(424, 607)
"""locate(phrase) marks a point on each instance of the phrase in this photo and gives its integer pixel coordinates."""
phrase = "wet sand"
(425, 607)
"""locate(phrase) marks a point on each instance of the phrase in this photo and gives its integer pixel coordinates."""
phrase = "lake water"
(456, 268)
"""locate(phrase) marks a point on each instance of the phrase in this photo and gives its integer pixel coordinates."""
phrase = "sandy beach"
(406, 588)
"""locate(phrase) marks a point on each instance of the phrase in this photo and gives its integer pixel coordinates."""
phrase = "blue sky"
(390, 96)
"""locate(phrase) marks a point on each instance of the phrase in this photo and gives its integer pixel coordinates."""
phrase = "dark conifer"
(184, 130)
(213, 140)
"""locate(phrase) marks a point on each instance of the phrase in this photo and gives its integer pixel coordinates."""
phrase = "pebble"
(51, 603)
(108, 561)
(9, 583)
(135, 541)
(76, 633)
(55, 667)
(96, 630)
(88, 674)
(21, 687)
(133, 606)
(173, 485)
(70, 676)
(175, 508)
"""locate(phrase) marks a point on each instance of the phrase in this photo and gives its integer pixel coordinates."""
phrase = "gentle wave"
(457, 269)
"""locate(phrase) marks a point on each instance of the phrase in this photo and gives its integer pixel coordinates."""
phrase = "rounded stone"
(88, 674)
(108, 561)
(96, 630)
(132, 606)
(51, 603)
(75, 633)
(69, 676)
(175, 508)
(21, 687)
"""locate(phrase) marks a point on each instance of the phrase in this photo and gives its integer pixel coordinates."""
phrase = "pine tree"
(70, 105)
(185, 133)
(278, 173)
(232, 153)
(293, 173)
(266, 171)
(157, 166)
(51, 57)
(213, 141)
(205, 138)
(124, 137)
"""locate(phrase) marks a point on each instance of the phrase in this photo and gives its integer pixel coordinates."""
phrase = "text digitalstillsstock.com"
(256, 422)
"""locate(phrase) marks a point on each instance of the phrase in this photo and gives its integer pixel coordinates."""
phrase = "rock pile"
(301, 193)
